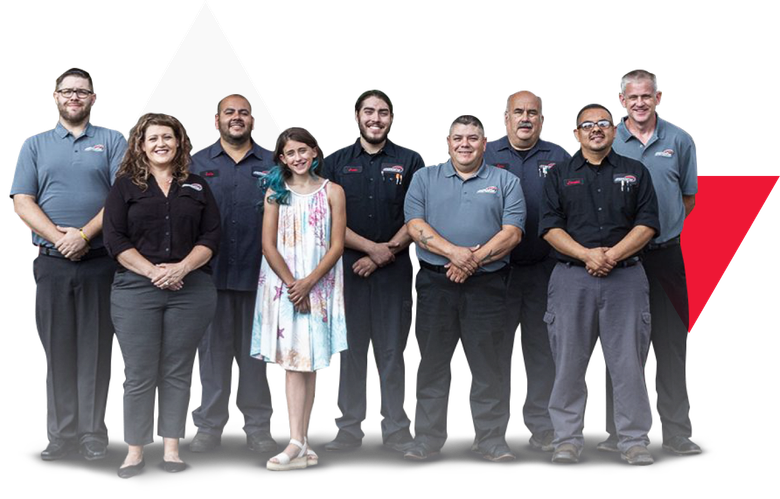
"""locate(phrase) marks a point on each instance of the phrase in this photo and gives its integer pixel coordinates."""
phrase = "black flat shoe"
(173, 466)
(130, 471)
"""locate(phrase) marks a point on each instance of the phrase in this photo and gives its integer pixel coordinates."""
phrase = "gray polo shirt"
(465, 213)
(670, 156)
(69, 176)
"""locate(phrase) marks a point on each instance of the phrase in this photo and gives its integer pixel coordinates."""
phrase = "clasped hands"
(379, 255)
(169, 275)
(71, 245)
(599, 261)
(298, 293)
(463, 263)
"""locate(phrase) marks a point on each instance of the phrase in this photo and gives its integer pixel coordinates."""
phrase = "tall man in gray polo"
(465, 217)
(670, 155)
(524, 154)
(235, 168)
(61, 182)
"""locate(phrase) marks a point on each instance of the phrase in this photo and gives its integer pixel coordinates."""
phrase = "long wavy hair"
(281, 172)
(135, 164)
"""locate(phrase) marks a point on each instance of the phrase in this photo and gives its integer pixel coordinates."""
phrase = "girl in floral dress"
(299, 316)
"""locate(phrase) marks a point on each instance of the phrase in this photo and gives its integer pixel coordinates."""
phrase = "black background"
(310, 72)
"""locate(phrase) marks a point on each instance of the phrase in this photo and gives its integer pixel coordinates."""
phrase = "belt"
(628, 262)
(441, 269)
(675, 241)
(94, 253)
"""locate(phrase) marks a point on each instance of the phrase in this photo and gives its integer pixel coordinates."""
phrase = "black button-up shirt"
(239, 189)
(163, 229)
(532, 172)
(375, 186)
(598, 205)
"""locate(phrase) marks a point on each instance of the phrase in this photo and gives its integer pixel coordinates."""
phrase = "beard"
(74, 116)
(372, 139)
(234, 139)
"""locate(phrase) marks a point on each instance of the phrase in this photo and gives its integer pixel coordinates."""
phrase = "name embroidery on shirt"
(666, 153)
(573, 181)
(96, 148)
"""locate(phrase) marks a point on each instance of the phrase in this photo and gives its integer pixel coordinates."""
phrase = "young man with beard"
(375, 174)
(235, 168)
(61, 182)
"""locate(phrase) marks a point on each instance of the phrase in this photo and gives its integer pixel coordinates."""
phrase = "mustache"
(525, 124)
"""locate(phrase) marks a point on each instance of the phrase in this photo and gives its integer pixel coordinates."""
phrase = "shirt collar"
(578, 160)
(541, 145)
(625, 135)
(63, 132)
(449, 170)
(388, 150)
(216, 149)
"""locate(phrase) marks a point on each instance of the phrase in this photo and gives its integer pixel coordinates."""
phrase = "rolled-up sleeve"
(115, 227)
(551, 214)
(646, 203)
(210, 227)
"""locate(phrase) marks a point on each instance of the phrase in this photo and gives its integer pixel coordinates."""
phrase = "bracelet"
(83, 236)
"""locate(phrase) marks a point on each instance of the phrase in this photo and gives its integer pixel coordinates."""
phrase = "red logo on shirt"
(575, 181)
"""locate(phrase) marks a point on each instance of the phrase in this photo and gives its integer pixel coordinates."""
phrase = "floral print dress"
(301, 342)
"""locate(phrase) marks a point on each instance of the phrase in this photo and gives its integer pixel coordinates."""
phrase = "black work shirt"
(375, 186)
(163, 229)
(598, 205)
(531, 167)
(239, 189)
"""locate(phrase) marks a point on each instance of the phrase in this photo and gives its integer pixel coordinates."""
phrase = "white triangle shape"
(203, 71)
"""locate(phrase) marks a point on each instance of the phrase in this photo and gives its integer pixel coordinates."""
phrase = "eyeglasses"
(81, 93)
(588, 125)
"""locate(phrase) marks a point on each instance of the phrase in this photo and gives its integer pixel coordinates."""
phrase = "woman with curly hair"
(161, 224)
(299, 317)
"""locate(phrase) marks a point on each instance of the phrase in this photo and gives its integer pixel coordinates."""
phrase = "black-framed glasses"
(81, 93)
(588, 125)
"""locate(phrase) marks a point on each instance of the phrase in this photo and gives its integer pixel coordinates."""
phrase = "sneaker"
(682, 446)
(400, 441)
(344, 441)
(543, 442)
(638, 455)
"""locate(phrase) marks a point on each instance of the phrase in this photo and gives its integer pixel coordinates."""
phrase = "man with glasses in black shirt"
(598, 211)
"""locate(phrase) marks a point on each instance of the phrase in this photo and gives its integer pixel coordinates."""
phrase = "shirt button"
(371, 179)
(370, 197)
(234, 221)
(599, 208)
(598, 190)
(370, 215)
(166, 217)
(167, 233)
(601, 228)
(167, 249)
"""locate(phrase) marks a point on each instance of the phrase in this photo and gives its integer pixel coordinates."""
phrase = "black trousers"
(473, 312)
(526, 305)
(669, 335)
(378, 310)
(74, 323)
(229, 336)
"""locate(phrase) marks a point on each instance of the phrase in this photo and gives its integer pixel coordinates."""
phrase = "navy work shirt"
(239, 189)
(532, 171)
(598, 205)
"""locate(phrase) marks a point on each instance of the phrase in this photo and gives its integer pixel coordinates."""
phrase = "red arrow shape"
(725, 209)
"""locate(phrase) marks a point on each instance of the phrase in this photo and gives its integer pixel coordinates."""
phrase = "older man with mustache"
(522, 153)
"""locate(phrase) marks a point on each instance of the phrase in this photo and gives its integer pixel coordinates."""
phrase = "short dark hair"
(373, 93)
(592, 106)
(468, 119)
(219, 104)
(74, 72)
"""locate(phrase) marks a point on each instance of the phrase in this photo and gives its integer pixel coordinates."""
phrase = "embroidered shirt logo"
(488, 190)
(544, 168)
(260, 174)
(393, 169)
(96, 148)
(625, 181)
(501, 165)
(573, 181)
(666, 153)
(196, 186)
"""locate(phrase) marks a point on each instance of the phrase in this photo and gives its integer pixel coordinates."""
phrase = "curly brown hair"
(135, 164)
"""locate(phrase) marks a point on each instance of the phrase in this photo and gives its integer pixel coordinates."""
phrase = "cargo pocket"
(549, 319)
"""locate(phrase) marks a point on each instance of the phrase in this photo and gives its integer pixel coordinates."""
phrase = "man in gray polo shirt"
(61, 182)
(670, 155)
(465, 217)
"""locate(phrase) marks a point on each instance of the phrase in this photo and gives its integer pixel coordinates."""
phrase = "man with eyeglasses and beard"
(61, 182)
(235, 168)
(524, 154)
(598, 211)
(375, 174)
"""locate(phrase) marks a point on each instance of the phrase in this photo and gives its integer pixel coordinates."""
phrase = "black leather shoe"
(400, 441)
(57, 449)
(93, 450)
(566, 454)
(499, 454)
(608, 445)
(261, 442)
(205, 442)
(638, 455)
(173, 466)
(543, 441)
(682, 446)
(420, 452)
(130, 471)
(343, 442)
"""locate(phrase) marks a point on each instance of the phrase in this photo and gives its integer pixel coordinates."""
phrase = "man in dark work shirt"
(234, 166)
(375, 174)
(598, 211)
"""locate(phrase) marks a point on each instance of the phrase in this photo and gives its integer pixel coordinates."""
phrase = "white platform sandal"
(286, 463)
(311, 457)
